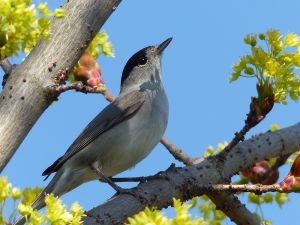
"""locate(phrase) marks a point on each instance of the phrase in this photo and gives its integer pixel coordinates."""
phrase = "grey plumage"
(122, 134)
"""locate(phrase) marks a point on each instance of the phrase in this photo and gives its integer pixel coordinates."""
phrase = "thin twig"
(239, 136)
(7, 68)
(234, 188)
(77, 86)
(280, 161)
(80, 87)
(176, 152)
(258, 111)
(6, 65)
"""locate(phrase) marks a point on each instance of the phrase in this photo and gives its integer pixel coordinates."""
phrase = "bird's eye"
(142, 61)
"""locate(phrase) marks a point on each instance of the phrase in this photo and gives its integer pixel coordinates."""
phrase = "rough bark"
(26, 94)
(225, 201)
(185, 183)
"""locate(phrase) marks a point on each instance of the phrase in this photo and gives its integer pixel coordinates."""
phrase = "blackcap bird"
(122, 134)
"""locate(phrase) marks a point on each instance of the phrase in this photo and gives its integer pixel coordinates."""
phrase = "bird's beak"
(163, 45)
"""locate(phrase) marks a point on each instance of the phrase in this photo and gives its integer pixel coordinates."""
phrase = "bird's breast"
(136, 137)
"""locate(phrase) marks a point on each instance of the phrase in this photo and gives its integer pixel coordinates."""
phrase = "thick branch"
(26, 94)
(185, 183)
(224, 201)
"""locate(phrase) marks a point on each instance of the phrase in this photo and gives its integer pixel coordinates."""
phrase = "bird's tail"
(39, 203)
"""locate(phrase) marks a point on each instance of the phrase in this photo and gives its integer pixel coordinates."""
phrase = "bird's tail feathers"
(39, 203)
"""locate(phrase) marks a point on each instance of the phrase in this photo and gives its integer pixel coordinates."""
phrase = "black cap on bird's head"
(143, 57)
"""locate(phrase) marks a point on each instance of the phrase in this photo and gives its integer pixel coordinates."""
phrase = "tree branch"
(77, 86)
(224, 201)
(6, 65)
(176, 152)
(26, 94)
(212, 188)
(7, 68)
(186, 182)
(235, 188)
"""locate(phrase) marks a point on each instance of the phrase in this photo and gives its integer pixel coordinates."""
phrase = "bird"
(121, 135)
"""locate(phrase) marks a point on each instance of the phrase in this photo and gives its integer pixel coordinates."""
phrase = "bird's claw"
(126, 191)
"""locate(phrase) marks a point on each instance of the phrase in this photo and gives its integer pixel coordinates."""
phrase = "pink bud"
(259, 173)
(95, 79)
(292, 181)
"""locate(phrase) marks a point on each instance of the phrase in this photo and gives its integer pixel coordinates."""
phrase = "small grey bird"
(122, 134)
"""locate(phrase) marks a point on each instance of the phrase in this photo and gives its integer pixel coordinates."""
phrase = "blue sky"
(204, 108)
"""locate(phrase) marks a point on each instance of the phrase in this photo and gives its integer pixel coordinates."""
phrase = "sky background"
(204, 108)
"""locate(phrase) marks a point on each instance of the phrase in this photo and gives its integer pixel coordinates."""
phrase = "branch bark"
(6, 65)
(186, 182)
(225, 200)
(26, 94)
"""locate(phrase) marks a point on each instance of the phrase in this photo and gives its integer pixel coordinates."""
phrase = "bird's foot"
(106, 179)
(127, 191)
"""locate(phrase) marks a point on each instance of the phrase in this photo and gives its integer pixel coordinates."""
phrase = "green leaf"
(59, 13)
(281, 198)
(268, 198)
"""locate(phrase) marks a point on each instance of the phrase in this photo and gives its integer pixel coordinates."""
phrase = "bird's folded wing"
(116, 112)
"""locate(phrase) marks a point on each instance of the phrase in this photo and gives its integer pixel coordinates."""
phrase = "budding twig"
(78, 86)
(239, 136)
(258, 111)
(234, 188)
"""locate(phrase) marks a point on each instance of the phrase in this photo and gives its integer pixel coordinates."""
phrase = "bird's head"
(144, 66)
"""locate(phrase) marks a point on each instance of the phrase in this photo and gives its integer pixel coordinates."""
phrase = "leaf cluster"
(22, 24)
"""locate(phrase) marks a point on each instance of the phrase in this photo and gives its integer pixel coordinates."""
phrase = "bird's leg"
(116, 187)
(99, 173)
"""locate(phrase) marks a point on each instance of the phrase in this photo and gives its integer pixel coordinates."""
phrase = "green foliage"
(56, 212)
(211, 215)
(211, 151)
(274, 62)
(260, 199)
(155, 217)
(281, 198)
(21, 26)
(205, 207)
(274, 127)
(101, 41)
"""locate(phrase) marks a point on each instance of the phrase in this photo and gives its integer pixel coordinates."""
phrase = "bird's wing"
(116, 112)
